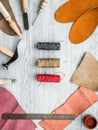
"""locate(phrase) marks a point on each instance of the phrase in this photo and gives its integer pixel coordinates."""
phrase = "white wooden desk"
(46, 97)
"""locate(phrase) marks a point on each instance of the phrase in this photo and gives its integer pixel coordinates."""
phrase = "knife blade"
(25, 15)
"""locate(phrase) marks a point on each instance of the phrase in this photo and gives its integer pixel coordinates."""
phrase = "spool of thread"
(49, 63)
(48, 78)
(89, 121)
(48, 46)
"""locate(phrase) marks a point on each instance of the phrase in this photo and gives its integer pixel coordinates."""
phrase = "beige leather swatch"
(86, 74)
(3, 24)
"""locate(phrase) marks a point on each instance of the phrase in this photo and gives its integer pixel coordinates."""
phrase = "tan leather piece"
(86, 74)
(84, 26)
(3, 24)
(76, 104)
(73, 9)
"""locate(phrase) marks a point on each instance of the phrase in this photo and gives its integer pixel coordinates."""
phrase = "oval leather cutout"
(73, 9)
(84, 26)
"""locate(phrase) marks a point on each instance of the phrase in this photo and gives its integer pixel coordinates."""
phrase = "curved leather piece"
(73, 9)
(8, 104)
(3, 23)
(76, 104)
(84, 26)
(86, 74)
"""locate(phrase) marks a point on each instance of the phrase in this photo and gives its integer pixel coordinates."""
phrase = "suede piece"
(86, 74)
(76, 104)
(84, 26)
(3, 23)
(8, 104)
(73, 9)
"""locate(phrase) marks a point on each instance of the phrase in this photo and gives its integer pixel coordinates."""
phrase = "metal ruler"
(7, 116)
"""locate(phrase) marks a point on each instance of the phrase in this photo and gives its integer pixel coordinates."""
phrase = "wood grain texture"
(36, 99)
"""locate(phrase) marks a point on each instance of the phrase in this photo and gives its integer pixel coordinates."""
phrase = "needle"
(35, 19)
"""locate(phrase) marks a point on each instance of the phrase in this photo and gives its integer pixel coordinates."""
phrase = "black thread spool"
(48, 46)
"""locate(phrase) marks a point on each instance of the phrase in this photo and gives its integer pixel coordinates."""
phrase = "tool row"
(12, 23)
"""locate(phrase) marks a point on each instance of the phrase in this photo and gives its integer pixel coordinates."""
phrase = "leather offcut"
(86, 74)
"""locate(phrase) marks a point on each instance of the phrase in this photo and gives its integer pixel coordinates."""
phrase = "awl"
(25, 15)
(41, 7)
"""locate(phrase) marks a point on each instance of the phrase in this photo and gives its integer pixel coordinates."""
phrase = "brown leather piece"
(3, 23)
(84, 26)
(73, 9)
(86, 74)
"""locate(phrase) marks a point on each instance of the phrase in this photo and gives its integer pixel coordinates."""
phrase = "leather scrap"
(8, 104)
(86, 74)
(76, 104)
(3, 23)
(84, 27)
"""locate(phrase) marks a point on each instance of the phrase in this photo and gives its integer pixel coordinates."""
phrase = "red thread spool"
(48, 78)
(90, 122)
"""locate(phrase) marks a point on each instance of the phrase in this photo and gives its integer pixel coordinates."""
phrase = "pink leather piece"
(8, 104)
(76, 104)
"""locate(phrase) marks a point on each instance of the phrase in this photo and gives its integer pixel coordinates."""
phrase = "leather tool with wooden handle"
(8, 18)
(13, 58)
(7, 81)
(41, 7)
(25, 15)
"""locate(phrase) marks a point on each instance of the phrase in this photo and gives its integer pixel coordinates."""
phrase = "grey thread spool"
(48, 46)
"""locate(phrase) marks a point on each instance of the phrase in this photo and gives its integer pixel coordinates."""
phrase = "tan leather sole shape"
(84, 26)
(73, 9)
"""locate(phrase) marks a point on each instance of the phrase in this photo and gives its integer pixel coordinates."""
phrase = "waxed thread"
(46, 78)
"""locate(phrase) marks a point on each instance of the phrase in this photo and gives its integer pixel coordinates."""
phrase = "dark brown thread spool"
(48, 46)
(89, 121)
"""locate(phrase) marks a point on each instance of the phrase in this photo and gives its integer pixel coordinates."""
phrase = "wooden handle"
(5, 81)
(43, 4)
(13, 25)
(6, 51)
(24, 7)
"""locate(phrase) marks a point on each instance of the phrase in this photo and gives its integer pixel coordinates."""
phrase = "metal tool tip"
(5, 67)
(35, 19)
(14, 80)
